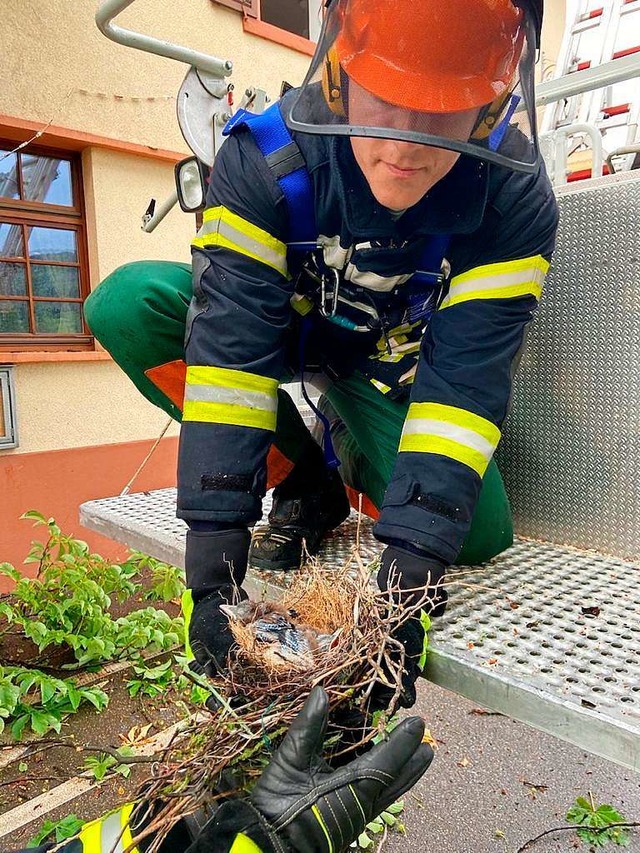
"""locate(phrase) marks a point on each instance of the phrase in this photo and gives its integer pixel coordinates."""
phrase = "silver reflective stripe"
(111, 832)
(231, 396)
(244, 241)
(445, 429)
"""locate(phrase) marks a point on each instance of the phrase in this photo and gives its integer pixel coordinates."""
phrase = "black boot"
(306, 505)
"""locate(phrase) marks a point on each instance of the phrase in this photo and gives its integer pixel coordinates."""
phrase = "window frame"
(254, 24)
(9, 435)
(40, 214)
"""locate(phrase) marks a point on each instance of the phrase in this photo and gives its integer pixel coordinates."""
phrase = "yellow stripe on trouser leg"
(449, 431)
(221, 227)
(506, 280)
(224, 396)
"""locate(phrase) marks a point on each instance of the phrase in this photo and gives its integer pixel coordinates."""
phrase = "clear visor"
(451, 87)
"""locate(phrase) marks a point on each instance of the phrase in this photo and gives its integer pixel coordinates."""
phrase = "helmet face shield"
(437, 73)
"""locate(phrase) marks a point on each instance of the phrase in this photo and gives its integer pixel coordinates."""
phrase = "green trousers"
(138, 314)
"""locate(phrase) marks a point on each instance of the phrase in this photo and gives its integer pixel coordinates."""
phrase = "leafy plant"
(167, 581)
(58, 830)
(67, 604)
(151, 681)
(37, 701)
(589, 817)
(386, 820)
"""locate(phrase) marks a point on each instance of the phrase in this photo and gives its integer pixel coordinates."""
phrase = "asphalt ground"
(496, 783)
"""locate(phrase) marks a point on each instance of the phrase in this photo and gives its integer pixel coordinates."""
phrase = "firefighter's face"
(399, 174)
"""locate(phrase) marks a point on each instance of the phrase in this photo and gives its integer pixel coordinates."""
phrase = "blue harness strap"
(287, 165)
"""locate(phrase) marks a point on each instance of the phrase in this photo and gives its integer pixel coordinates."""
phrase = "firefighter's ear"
(334, 83)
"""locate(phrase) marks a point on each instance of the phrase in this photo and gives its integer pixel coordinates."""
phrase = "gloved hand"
(300, 804)
(216, 565)
(406, 577)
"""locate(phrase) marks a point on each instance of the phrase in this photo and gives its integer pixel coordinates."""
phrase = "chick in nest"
(278, 639)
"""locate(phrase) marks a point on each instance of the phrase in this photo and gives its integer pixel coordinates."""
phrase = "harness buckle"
(329, 298)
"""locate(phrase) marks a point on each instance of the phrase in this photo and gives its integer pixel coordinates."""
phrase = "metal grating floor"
(548, 635)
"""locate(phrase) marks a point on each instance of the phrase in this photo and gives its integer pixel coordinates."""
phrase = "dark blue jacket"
(241, 327)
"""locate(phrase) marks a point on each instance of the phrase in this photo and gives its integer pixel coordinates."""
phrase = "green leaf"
(97, 697)
(9, 571)
(35, 516)
(364, 842)
(19, 725)
(41, 722)
(9, 696)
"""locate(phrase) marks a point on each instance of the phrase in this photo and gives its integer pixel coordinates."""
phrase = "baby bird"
(279, 639)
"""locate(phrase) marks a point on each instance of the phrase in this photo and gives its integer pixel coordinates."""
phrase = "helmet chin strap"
(489, 117)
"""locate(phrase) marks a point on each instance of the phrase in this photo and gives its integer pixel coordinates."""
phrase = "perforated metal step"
(548, 635)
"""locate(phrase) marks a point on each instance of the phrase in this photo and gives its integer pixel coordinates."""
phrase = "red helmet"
(434, 55)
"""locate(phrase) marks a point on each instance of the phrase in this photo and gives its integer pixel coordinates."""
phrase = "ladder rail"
(139, 41)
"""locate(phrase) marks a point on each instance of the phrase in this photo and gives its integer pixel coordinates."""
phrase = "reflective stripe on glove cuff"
(214, 559)
(411, 575)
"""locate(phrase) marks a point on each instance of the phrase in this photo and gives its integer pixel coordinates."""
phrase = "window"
(8, 426)
(300, 17)
(43, 266)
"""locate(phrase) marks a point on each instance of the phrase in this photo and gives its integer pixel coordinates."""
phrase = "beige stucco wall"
(552, 31)
(118, 188)
(52, 50)
(80, 404)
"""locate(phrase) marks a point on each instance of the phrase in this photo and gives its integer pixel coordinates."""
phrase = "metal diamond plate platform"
(548, 635)
(572, 441)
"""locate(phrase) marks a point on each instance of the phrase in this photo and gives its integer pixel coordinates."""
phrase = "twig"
(22, 779)
(528, 844)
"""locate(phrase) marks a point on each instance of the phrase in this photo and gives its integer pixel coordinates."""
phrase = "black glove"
(216, 565)
(300, 804)
(406, 576)
(413, 574)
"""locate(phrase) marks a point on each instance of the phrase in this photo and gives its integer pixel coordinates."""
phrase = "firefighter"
(298, 804)
(389, 225)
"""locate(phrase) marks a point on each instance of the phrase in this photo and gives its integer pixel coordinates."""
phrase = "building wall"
(83, 427)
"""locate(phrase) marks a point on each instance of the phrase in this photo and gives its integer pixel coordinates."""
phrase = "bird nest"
(258, 697)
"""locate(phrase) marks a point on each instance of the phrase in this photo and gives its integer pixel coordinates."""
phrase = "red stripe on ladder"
(626, 52)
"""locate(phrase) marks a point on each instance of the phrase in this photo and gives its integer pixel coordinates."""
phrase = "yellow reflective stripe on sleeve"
(243, 844)
(323, 826)
(449, 431)
(221, 227)
(224, 396)
(505, 280)
(426, 624)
